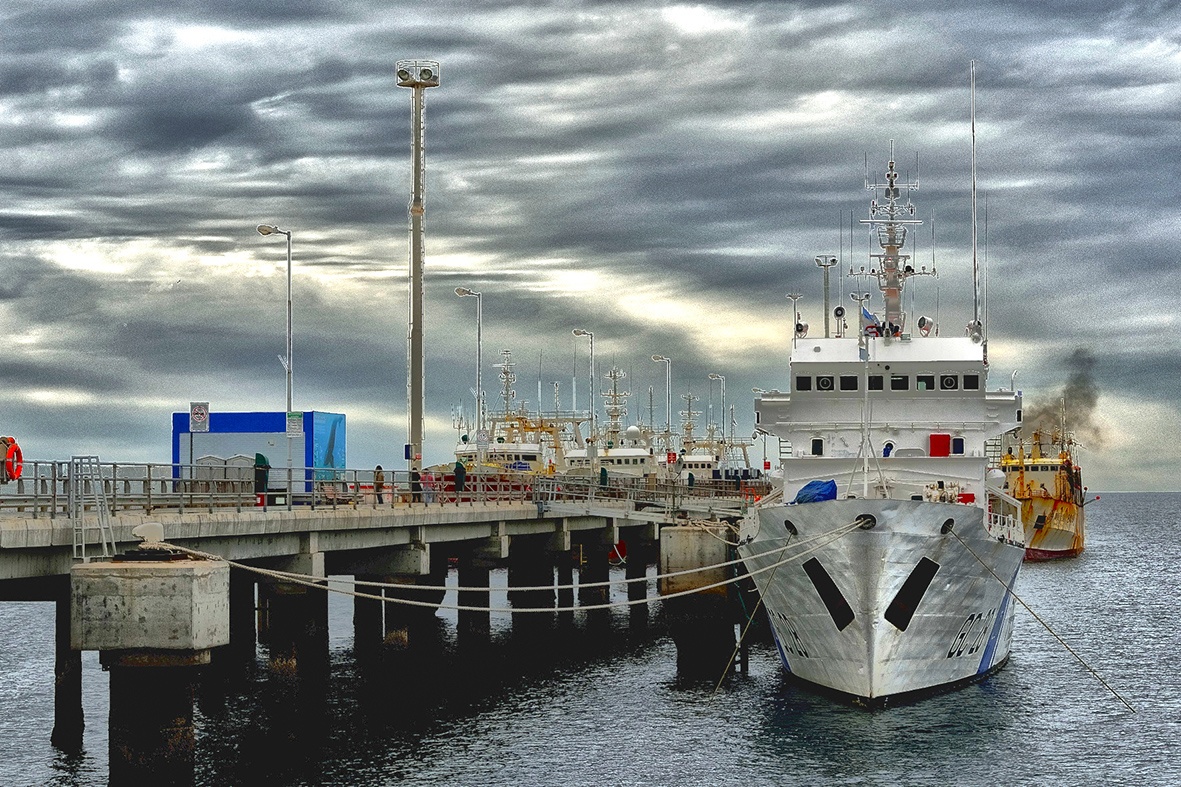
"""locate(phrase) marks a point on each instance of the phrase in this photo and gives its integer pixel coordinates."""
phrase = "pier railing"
(43, 490)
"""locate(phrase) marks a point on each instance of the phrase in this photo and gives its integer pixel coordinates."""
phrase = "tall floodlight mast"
(418, 75)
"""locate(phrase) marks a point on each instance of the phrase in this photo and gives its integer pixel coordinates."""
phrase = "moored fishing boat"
(890, 571)
(1049, 484)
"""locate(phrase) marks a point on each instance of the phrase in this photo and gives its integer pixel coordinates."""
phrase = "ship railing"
(1005, 527)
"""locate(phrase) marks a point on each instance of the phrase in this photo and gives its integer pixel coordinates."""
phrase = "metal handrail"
(42, 490)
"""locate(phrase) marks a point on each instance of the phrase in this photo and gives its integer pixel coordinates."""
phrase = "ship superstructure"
(886, 561)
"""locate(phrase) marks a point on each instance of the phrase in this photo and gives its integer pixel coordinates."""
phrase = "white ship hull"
(952, 624)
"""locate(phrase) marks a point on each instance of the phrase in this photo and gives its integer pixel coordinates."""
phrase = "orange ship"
(1049, 486)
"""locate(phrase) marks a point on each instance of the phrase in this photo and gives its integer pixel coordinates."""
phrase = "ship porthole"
(790, 527)
(866, 521)
(947, 526)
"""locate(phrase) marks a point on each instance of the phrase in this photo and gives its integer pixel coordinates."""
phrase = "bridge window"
(848, 382)
(957, 446)
(899, 382)
(824, 382)
(817, 446)
(803, 383)
(949, 382)
(925, 382)
(875, 382)
(971, 382)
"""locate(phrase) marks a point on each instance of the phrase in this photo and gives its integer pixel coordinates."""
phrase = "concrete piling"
(155, 617)
(702, 623)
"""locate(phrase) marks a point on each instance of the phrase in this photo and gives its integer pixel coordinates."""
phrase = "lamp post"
(722, 378)
(464, 292)
(590, 391)
(270, 229)
(668, 401)
(417, 75)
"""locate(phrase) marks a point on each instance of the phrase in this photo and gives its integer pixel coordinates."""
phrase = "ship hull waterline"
(896, 610)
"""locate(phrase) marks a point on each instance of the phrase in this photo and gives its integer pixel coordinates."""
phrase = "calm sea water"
(603, 704)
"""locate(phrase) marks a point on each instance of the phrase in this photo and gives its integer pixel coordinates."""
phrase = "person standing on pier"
(378, 483)
(428, 486)
(415, 486)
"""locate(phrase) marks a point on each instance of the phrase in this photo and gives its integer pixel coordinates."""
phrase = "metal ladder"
(85, 487)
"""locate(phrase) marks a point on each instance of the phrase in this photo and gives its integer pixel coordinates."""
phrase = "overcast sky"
(659, 174)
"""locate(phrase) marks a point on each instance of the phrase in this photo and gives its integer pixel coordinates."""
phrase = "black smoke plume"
(1081, 398)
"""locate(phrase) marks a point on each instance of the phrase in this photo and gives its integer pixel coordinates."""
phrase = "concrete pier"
(701, 624)
(154, 617)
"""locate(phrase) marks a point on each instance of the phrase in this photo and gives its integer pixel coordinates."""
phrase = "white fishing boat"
(620, 451)
(886, 561)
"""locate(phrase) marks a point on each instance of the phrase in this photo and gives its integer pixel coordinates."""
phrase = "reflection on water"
(597, 701)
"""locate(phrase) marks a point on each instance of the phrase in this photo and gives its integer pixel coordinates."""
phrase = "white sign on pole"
(198, 416)
(295, 423)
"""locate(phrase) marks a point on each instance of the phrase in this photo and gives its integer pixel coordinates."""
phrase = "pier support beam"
(367, 617)
(702, 623)
(155, 619)
(152, 739)
(639, 554)
(68, 722)
(474, 626)
(243, 613)
(565, 581)
(530, 565)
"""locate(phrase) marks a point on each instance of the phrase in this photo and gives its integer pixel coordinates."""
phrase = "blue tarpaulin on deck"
(816, 491)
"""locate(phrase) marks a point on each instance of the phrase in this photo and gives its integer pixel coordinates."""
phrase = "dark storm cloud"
(583, 159)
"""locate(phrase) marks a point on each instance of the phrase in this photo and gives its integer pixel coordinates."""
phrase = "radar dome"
(633, 433)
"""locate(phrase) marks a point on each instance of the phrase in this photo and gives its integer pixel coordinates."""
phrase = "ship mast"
(614, 404)
(891, 267)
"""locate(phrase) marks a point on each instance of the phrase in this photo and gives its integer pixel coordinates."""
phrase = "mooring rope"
(1045, 625)
(323, 583)
(276, 573)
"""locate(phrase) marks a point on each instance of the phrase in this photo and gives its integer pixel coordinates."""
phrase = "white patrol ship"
(893, 572)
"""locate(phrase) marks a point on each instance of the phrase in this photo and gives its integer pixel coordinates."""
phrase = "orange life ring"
(14, 461)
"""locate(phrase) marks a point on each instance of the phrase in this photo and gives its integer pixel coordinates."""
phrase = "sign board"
(295, 423)
(198, 416)
(766, 464)
(672, 457)
(483, 437)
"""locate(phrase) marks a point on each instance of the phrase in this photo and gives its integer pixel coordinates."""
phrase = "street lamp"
(668, 401)
(417, 75)
(464, 292)
(591, 390)
(722, 378)
(264, 230)
(269, 229)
